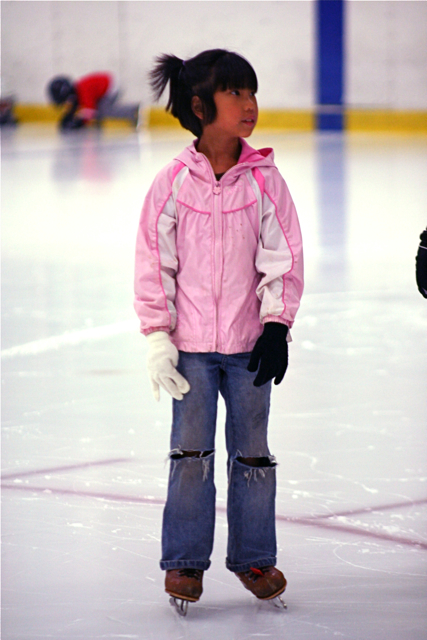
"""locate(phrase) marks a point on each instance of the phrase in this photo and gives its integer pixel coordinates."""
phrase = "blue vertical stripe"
(330, 64)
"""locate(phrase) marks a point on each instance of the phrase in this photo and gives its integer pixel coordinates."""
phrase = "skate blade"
(278, 603)
(179, 605)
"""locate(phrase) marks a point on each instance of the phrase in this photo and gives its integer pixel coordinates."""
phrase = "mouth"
(249, 121)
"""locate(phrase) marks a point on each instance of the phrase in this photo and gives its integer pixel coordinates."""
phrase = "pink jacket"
(217, 259)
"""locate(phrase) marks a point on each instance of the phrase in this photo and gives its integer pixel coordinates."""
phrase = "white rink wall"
(386, 47)
(386, 54)
(42, 39)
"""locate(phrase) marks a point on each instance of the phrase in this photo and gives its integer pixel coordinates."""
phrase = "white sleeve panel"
(156, 261)
(166, 234)
(279, 258)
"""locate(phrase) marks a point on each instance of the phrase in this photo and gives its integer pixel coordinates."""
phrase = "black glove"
(421, 265)
(271, 349)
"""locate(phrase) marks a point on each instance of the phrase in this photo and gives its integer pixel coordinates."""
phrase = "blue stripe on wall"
(330, 64)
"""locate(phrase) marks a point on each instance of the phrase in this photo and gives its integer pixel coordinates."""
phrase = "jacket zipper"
(217, 257)
(217, 251)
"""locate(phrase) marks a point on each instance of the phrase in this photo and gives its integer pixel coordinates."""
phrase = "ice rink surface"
(84, 444)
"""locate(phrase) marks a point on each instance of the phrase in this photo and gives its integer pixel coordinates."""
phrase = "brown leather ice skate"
(184, 584)
(265, 583)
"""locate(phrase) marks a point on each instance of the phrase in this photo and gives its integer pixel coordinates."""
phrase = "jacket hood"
(249, 158)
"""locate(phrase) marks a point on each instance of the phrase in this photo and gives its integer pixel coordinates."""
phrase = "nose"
(250, 103)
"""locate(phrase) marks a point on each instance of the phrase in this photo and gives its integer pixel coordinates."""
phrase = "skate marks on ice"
(70, 338)
(342, 523)
(339, 522)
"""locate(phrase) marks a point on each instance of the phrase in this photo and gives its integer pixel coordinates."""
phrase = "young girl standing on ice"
(218, 281)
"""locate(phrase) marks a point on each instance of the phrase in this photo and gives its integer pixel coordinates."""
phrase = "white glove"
(161, 362)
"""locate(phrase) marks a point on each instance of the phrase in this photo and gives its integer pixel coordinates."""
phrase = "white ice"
(84, 444)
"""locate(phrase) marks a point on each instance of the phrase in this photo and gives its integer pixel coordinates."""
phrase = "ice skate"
(184, 586)
(266, 583)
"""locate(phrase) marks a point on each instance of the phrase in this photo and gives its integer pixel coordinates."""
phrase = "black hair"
(209, 71)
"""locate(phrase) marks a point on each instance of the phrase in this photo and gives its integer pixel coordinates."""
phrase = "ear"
(197, 107)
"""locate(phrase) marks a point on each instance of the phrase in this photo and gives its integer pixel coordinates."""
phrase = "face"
(237, 112)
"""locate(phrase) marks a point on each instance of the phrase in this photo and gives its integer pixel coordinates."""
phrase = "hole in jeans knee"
(263, 461)
(191, 454)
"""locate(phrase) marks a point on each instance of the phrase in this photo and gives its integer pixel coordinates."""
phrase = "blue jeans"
(189, 514)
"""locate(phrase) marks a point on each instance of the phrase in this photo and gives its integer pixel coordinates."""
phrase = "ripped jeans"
(189, 514)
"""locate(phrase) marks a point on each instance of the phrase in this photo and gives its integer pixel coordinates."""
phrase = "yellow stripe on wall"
(268, 119)
(355, 119)
(37, 112)
(43, 113)
(278, 119)
(157, 117)
(390, 121)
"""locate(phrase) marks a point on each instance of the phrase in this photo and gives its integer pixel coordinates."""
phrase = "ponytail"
(172, 69)
(167, 69)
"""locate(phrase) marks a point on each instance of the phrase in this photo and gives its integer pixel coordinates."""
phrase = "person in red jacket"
(89, 99)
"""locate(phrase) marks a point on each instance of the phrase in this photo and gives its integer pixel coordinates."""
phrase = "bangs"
(234, 72)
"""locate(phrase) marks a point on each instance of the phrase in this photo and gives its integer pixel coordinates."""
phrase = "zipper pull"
(217, 188)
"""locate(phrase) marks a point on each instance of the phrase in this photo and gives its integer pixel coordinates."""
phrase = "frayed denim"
(189, 514)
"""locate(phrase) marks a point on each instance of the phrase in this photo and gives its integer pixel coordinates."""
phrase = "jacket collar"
(249, 158)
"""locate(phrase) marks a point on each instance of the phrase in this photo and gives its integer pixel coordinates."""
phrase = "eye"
(235, 92)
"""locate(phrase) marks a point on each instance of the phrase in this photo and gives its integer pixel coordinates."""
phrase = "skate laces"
(191, 573)
(254, 573)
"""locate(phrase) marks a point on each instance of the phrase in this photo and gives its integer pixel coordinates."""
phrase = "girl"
(219, 276)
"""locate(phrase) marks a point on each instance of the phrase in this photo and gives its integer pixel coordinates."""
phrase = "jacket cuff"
(277, 319)
(147, 332)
